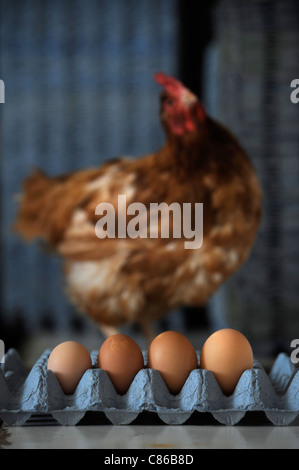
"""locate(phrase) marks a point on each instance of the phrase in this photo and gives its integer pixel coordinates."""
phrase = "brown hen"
(119, 280)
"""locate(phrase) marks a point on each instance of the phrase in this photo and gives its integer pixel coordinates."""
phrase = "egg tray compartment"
(24, 394)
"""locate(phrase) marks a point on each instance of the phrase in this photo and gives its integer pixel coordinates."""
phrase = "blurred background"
(79, 90)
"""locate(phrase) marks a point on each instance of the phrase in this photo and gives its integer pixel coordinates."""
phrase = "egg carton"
(24, 394)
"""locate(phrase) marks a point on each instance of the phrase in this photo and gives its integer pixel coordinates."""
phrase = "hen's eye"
(169, 102)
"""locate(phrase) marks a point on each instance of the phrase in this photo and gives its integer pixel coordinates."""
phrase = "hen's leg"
(146, 329)
(148, 332)
(108, 330)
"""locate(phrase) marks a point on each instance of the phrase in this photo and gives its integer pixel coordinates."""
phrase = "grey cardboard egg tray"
(24, 394)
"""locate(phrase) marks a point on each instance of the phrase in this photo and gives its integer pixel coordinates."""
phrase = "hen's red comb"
(169, 83)
(177, 89)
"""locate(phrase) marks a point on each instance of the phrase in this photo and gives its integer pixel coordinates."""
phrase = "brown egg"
(173, 355)
(69, 361)
(227, 353)
(121, 357)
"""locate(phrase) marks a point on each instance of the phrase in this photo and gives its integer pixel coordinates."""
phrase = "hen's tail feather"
(30, 222)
